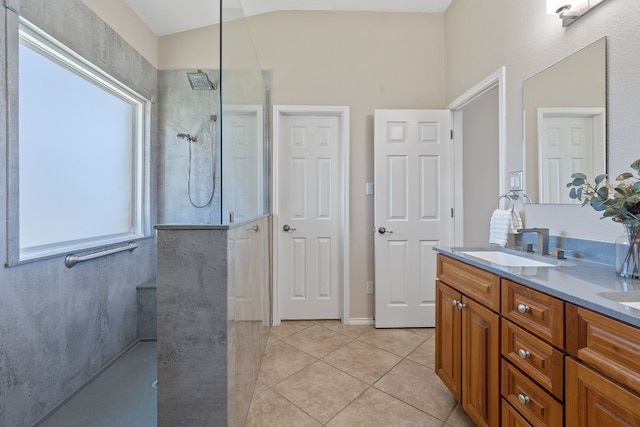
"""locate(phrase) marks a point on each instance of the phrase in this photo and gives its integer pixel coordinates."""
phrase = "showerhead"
(200, 81)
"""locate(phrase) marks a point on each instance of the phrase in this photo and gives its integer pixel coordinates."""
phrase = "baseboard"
(361, 321)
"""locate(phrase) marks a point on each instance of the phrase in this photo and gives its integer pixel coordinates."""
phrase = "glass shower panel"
(244, 113)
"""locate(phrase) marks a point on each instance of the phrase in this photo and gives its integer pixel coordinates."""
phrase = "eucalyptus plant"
(621, 202)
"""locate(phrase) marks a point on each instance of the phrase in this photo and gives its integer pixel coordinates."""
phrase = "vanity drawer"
(541, 314)
(511, 417)
(482, 286)
(536, 358)
(536, 405)
(606, 344)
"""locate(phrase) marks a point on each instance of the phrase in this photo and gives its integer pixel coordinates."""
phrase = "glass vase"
(628, 253)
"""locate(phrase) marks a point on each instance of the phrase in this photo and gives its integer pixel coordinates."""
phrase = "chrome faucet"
(542, 241)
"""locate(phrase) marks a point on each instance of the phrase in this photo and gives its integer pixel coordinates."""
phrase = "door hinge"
(451, 134)
(451, 212)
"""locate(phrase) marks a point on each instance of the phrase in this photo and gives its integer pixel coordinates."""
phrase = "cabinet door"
(606, 344)
(448, 339)
(594, 400)
(480, 363)
(511, 417)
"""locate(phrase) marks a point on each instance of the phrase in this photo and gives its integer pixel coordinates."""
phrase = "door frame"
(495, 79)
(342, 113)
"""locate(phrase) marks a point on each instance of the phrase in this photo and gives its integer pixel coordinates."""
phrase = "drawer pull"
(523, 308)
(524, 353)
(523, 399)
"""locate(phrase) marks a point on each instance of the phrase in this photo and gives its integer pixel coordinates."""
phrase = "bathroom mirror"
(565, 124)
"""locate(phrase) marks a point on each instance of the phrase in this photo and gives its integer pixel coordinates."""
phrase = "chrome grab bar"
(71, 260)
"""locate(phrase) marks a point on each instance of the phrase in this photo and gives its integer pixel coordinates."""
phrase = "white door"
(566, 146)
(413, 212)
(310, 186)
(242, 160)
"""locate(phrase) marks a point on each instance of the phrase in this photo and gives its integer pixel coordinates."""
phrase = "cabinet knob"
(523, 308)
(524, 353)
(454, 303)
(461, 305)
(523, 399)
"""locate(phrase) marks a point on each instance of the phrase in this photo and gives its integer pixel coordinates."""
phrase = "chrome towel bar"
(71, 260)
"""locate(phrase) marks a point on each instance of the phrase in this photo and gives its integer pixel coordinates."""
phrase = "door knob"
(383, 230)
(286, 227)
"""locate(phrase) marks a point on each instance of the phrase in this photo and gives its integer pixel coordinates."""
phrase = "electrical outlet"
(369, 287)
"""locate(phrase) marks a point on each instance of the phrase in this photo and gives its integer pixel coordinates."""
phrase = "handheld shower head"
(200, 81)
(187, 136)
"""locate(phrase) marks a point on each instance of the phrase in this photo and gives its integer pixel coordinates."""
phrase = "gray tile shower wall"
(182, 110)
(213, 321)
(59, 326)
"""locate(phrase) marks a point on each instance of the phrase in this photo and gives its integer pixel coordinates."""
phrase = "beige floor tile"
(363, 361)
(317, 341)
(260, 388)
(418, 386)
(425, 354)
(423, 332)
(459, 418)
(290, 327)
(269, 409)
(353, 331)
(280, 361)
(397, 341)
(377, 409)
(320, 390)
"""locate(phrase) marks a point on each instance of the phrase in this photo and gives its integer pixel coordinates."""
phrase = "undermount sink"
(628, 298)
(507, 259)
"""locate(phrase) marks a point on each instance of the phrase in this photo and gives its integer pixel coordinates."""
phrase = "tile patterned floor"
(324, 373)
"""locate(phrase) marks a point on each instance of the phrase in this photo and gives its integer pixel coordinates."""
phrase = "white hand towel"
(499, 227)
(516, 222)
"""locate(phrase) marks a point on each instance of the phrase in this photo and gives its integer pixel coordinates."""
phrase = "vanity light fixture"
(570, 10)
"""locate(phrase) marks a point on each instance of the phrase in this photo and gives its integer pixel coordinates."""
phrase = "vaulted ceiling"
(169, 16)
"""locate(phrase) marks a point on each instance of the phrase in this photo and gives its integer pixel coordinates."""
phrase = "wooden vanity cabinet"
(468, 338)
(515, 356)
(603, 374)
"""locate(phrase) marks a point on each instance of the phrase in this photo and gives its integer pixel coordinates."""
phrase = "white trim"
(495, 79)
(342, 112)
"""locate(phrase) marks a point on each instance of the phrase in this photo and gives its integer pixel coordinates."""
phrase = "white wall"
(484, 35)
